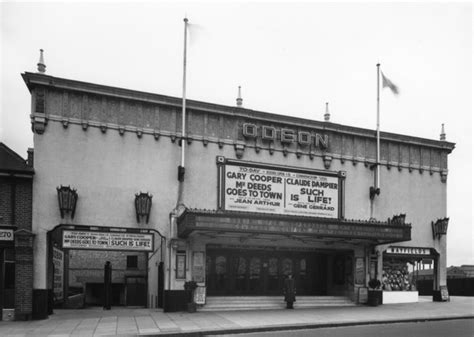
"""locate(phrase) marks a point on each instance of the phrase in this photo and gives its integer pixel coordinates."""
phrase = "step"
(227, 303)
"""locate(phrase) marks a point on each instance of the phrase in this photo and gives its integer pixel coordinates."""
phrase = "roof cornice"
(37, 79)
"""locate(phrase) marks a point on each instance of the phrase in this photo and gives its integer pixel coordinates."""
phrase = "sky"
(289, 57)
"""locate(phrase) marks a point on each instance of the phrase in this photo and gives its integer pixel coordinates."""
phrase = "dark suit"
(290, 292)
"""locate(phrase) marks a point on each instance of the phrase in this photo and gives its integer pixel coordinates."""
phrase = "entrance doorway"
(78, 255)
(261, 272)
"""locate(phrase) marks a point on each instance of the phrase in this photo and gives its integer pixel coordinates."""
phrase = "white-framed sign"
(408, 250)
(200, 295)
(76, 239)
(6, 234)
(263, 189)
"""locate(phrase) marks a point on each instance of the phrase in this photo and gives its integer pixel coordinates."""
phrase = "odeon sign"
(284, 135)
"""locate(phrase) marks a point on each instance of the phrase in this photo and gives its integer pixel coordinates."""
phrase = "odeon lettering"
(284, 135)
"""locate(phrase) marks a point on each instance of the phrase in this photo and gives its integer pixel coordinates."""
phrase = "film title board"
(252, 189)
(107, 240)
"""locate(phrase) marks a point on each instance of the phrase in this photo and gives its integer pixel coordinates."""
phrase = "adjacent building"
(16, 237)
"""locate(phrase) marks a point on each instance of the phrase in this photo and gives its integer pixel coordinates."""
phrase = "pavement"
(122, 321)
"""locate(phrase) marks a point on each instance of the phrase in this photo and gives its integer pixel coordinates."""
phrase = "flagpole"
(377, 163)
(183, 126)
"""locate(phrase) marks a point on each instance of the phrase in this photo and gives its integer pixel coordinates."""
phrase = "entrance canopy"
(242, 224)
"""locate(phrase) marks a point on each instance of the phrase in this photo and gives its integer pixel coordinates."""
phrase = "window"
(132, 262)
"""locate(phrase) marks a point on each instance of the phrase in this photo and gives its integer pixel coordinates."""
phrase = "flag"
(387, 83)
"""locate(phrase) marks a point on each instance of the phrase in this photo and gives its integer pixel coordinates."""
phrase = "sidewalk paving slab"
(127, 322)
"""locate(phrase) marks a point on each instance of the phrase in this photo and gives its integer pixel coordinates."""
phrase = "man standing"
(289, 291)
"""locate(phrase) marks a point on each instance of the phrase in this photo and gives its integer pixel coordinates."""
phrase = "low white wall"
(400, 297)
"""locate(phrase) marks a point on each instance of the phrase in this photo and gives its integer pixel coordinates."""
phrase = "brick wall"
(16, 202)
(23, 204)
(5, 202)
(15, 210)
(23, 275)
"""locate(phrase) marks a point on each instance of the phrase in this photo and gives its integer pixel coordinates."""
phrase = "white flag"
(387, 83)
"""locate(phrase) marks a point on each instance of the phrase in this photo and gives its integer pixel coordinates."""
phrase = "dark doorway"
(262, 272)
(135, 288)
(161, 284)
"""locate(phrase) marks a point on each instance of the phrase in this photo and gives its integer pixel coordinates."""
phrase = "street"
(445, 328)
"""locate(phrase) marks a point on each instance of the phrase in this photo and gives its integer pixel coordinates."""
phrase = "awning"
(244, 224)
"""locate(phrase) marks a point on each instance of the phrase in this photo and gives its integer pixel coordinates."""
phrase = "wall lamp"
(440, 227)
(67, 200)
(143, 205)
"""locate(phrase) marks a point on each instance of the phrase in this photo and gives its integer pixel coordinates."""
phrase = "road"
(448, 328)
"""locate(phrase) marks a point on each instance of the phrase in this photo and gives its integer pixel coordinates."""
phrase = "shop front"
(401, 265)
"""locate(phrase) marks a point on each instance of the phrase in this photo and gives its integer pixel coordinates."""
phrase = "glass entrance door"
(260, 272)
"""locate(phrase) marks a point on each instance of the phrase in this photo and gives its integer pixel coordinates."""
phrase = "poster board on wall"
(359, 270)
(180, 266)
(198, 267)
(363, 295)
(58, 276)
(200, 295)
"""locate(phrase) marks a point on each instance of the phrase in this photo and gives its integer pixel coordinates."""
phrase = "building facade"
(16, 237)
(260, 195)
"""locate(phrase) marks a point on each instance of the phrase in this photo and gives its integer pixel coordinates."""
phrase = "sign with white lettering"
(58, 282)
(444, 293)
(267, 190)
(6, 234)
(73, 239)
(200, 295)
(408, 250)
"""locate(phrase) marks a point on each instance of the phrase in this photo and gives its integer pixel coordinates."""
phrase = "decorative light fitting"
(67, 200)
(440, 227)
(143, 205)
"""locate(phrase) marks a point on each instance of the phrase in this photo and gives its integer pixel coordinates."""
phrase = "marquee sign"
(264, 189)
(77, 239)
(294, 226)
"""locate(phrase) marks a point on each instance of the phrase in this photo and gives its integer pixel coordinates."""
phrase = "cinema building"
(262, 196)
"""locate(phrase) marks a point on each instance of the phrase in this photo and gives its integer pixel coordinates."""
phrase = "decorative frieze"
(444, 176)
(38, 123)
(239, 149)
(139, 132)
(217, 124)
(39, 119)
(271, 148)
(327, 161)
(65, 123)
